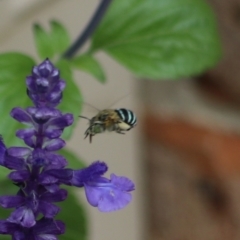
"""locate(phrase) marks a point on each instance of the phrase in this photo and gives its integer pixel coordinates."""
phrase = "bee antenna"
(90, 105)
(85, 118)
(119, 99)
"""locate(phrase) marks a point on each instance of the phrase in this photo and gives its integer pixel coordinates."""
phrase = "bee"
(117, 120)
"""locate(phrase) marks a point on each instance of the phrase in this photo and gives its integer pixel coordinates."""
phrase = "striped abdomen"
(127, 116)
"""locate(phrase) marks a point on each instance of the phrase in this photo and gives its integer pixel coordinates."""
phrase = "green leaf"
(90, 65)
(14, 67)
(72, 98)
(60, 37)
(74, 216)
(3, 173)
(53, 42)
(43, 42)
(73, 161)
(160, 39)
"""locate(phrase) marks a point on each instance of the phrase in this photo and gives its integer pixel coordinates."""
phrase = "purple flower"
(39, 170)
(44, 229)
(45, 86)
(106, 194)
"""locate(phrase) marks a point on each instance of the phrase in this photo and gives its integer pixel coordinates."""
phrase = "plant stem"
(92, 25)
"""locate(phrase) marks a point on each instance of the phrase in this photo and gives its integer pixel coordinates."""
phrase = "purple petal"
(58, 196)
(55, 145)
(43, 114)
(19, 151)
(47, 159)
(107, 198)
(63, 175)
(33, 96)
(122, 183)
(39, 112)
(8, 227)
(11, 201)
(81, 176)
(25, 133)
(30, 82)
(45, 86)
(60, 86)
(42, 84)
(21, 115)
(23, 216)
(46, 179)
(53, 133)
(56, 101)
(55, 75)
(19, 176)
(31, 110)
(49, 210)
(38, 158)
(55, 126)
(46, 237)
(52, 188)
(93, 195)
(2, 152)
(109, 195)
(55, 161)
(53, 96)
(20, 235)
(49, 226)
(30, 141)
(56, 91)
(14, 163)
(61, 122)
(45, 68)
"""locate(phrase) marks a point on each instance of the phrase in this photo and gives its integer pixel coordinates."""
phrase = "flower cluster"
(39, 171)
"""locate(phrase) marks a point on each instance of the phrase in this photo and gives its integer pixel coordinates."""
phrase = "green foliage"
(60, 37)
(89, 64)
(53, 44)
(3, 173)
(73, 214)
(160, 39)
(50, 43)
(14, 67)
(72, 97)
(43, 42)
(73, 161)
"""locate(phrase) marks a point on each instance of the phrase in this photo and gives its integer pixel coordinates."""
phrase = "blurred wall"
(192, 141)
(119, 151)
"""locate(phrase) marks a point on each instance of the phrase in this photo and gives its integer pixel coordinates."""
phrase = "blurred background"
(118, 151)
(184, 155)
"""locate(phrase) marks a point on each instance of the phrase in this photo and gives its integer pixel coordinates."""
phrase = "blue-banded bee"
(117, 120)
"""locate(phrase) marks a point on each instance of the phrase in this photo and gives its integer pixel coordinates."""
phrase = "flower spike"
(39, 171)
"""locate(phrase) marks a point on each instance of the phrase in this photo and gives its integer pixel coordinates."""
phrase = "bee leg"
(89, 133)
(86, 134)
(120, 131)
(90, 136)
